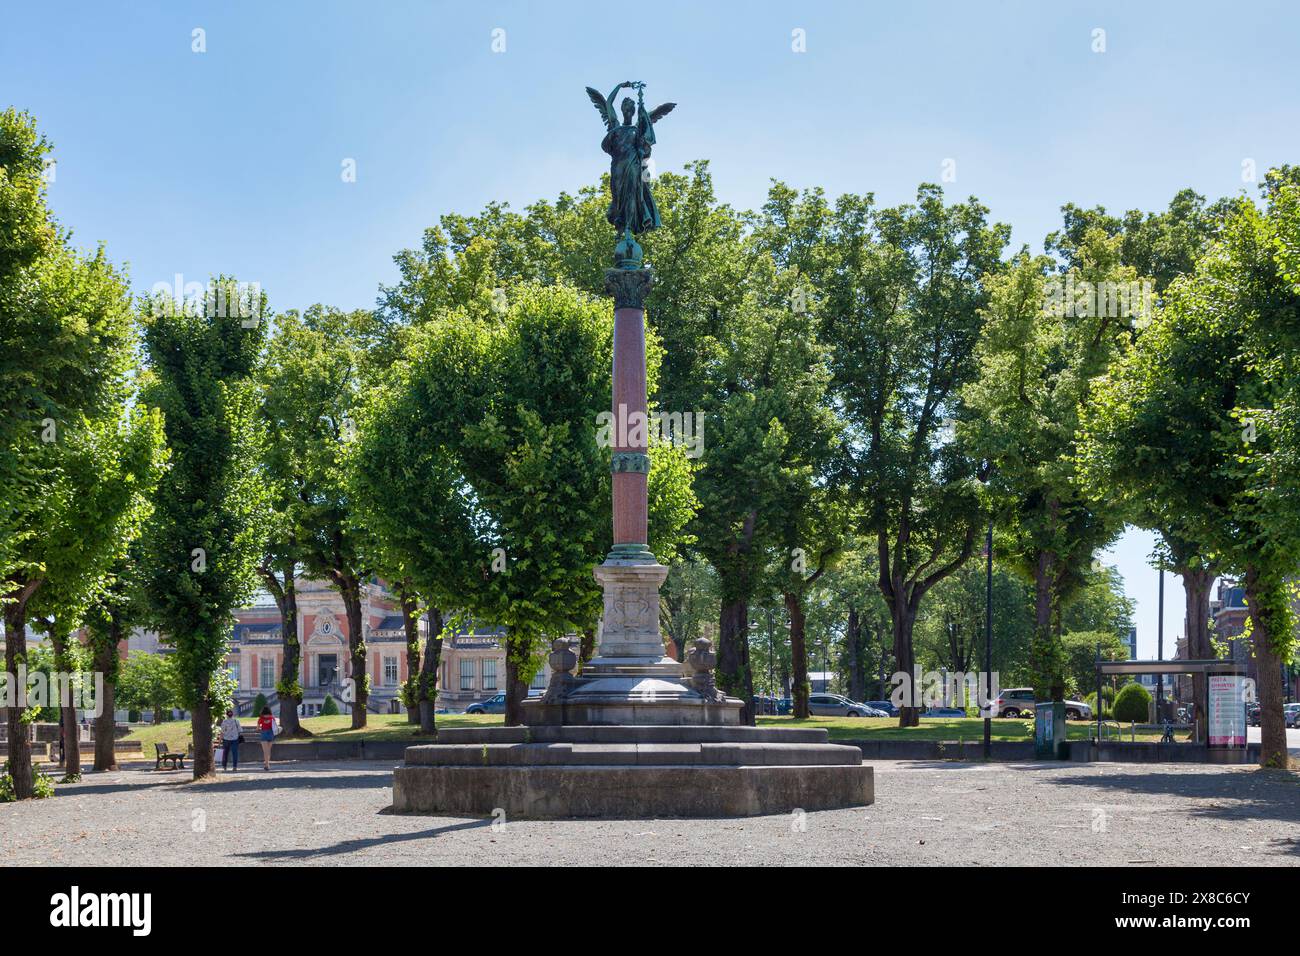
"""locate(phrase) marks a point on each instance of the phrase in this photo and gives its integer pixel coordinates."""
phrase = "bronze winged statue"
(632, 208)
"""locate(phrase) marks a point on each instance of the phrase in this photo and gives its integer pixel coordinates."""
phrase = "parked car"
(1019, 702)
(943, 712)
(1292, 714)
(833, 705)
(884, 706)
(495, 704)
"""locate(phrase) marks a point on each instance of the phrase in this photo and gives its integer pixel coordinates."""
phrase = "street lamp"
(988, 644)
(1160, 645)
(985, 473)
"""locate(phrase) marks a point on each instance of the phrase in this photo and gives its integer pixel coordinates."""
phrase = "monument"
(633, 732)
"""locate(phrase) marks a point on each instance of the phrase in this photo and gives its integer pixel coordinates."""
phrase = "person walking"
(266, 725)
(230, 731)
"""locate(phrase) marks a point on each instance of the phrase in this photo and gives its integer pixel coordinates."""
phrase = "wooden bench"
(164, 755)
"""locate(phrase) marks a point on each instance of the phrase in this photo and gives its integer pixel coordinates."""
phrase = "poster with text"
(1227, 710)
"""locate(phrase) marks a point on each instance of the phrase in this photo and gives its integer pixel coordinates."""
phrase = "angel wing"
(603, 107)
(659, 112)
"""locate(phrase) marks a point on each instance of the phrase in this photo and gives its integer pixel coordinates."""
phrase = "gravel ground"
(925, 813)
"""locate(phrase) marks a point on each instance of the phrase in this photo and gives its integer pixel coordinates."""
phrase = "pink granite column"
(629, 408)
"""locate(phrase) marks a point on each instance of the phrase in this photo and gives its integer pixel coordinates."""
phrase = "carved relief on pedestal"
(630, 626)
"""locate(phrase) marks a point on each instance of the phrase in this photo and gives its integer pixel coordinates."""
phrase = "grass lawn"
(176, 734)
(932, 728)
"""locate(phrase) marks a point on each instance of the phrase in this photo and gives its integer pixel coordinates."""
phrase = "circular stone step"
(630, 771)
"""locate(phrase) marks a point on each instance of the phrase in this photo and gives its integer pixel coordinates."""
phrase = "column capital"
(628, 286)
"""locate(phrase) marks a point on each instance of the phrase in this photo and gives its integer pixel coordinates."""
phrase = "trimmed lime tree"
(1201, 414)
(316, 371)
(66, 353)
(203, 545)
(1038, 357)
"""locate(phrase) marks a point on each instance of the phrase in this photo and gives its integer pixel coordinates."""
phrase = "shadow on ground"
(1247, 795)
(353, 846)
(247, 780)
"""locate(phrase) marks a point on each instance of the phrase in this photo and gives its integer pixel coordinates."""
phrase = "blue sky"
(229, 160)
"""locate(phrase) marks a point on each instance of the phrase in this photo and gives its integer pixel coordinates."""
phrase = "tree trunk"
(516, 688)
(1044, 659)
(857, 665)
(411, 625)
(883, 669)
(734, 675)
(427, 691)
(798, 655)
(289, 670)
(1260, 596)
(904, 618)
(107, 663)
(20, 748)
(1196, 591)
(67, 709)
(350, 591)
(201, 729)
(587, 645)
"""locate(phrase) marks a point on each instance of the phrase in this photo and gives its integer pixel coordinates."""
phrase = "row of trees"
(874, 384)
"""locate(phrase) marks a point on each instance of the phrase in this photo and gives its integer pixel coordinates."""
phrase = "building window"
(268, 672)
(390, 671)
(489, 674)
(467, 675)
(539, 679)
(234, 672)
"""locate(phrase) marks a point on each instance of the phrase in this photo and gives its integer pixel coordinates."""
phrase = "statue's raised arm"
(605, 104)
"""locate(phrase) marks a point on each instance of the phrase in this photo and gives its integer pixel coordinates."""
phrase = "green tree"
(149, 682)
(1161, 246)
(495, 422)
(900, 293)
(538, 473)
(1158, 245)
(204, 543)
(117, 610)
(1219, 359)
(65, 358)
(767, 440)
(315, 375)
(950, 628)
(1038, 358)
(1080, 650)
(408, 487)
(108, 469)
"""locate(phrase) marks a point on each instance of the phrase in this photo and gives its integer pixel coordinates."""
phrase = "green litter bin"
(1049, 730)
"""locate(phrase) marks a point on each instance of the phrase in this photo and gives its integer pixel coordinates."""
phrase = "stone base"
(631, 772)
(618, 699)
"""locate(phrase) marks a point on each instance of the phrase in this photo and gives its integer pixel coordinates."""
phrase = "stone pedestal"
(630, 772)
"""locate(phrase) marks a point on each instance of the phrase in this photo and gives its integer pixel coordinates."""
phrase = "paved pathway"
(926, 812)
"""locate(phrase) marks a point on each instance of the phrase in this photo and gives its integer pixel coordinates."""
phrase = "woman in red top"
(266, 724)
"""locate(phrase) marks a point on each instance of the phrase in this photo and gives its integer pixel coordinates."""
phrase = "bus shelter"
(1225, 694)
